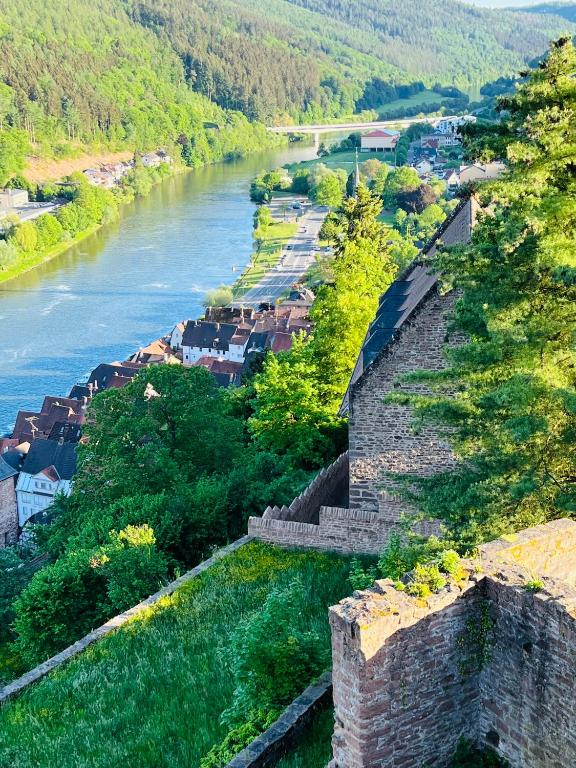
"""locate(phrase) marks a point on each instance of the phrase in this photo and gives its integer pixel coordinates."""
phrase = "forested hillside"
(140, 73)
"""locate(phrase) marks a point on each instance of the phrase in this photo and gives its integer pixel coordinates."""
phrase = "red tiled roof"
(377, 134)
(281, 342)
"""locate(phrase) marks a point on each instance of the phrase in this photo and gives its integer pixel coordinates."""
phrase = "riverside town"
(287, 384)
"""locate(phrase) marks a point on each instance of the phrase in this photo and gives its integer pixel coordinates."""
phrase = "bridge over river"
(317, 130)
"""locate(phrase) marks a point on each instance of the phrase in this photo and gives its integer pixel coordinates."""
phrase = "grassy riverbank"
(164, 680)
(30, 261)
(270, 244)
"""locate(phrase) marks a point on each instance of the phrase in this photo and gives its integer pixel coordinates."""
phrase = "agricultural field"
(424, 98)
(163, 681)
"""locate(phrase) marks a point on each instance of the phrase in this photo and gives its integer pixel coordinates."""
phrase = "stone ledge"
(267, 749)
(16, 687)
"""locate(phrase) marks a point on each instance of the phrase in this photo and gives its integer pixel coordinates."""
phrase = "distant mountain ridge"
(140, 72)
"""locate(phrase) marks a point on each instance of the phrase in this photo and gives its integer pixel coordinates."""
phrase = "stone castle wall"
(382, 436)
(383, 441)
(493, 661)
(341, 530)
(328, 487)
(399, 700)
(8, 513)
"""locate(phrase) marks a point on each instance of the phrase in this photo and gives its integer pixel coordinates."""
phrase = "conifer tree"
(513, 420)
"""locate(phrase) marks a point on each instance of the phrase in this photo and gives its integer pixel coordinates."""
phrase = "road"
(298, 255)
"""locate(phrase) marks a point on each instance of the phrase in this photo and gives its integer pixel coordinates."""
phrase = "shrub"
(274, 655)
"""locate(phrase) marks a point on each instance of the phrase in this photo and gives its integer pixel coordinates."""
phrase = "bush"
(274, 655)
(219, 297)
(84, 588)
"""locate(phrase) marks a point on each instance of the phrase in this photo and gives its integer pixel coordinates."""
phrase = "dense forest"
(141, 73)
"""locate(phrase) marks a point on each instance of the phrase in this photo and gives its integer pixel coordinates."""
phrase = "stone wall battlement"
(493, 661)
(326, 488)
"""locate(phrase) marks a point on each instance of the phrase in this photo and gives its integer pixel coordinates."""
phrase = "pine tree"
(513, 420)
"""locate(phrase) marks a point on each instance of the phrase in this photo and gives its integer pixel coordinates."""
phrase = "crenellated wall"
(493, 660)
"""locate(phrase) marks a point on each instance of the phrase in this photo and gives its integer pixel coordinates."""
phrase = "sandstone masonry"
(493, 660)
(408, 334)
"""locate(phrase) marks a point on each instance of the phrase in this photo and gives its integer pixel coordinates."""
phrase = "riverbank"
(33, 260)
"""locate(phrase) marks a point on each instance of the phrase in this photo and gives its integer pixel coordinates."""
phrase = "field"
(336, 160)
(151, 695)
(423, 98)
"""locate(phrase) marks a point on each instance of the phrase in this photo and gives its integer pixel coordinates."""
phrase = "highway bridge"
(317, 130)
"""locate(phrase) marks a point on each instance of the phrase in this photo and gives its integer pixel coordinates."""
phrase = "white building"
(451, 124)
(202, 338)
(423, 167)
(176, 335)
(46, 471)
(13, 198)
(379, 141)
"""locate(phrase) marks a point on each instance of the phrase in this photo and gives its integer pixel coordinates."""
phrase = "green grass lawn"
(275, 238)
(151, 694)
(423, 98)
(315, 748)
(336, 160)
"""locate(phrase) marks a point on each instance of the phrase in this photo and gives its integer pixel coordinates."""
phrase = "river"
(128, 283)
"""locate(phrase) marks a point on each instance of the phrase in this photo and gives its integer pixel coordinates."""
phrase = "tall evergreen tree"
(513, 419)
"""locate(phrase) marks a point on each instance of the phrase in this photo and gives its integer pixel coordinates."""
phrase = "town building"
(226, 372)
(175, 338)
(423, 167)
(451, 178)
(13, 198)
(452, 124)
(379, 141)
(8, 506)
(439, 141)
(481, 172)
(56, 412)
(106, 376)
(47, 470)
(208, 339)
(154, 159)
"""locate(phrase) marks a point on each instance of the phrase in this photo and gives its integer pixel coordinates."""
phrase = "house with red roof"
(379, 141)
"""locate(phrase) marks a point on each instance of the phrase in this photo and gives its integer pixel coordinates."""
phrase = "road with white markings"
(297, 256)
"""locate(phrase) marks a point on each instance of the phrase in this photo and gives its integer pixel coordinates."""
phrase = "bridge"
(317, 130)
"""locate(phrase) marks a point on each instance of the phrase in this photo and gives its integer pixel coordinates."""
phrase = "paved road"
(298, 255)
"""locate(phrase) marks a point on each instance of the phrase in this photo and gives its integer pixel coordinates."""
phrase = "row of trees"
(87, 205)
(512, 420)
(173, 465)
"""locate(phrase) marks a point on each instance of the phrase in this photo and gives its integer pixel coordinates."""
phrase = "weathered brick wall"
(400, 700)
(405, 689)
(545, 550)
(382, 438)
(528, 689)
(338, 530)
(8, 513)
(329, 487)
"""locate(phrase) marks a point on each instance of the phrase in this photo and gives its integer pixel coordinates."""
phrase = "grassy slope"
(151, 695)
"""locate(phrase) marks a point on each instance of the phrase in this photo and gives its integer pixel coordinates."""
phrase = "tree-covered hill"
(298, 55)
(140, 73)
